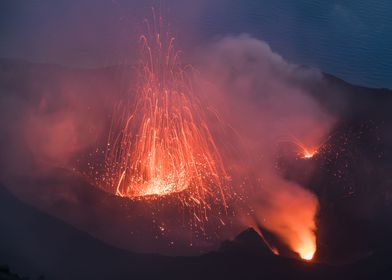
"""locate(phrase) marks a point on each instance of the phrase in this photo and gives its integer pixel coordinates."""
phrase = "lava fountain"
(303, 151)
(162, 149)
(163, 146)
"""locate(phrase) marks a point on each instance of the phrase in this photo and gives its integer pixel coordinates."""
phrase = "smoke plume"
(265, 101)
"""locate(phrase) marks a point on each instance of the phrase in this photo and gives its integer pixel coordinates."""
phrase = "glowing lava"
(307, 250)
(307, 256)
(307, 153)
(163, 146)
(304, 151)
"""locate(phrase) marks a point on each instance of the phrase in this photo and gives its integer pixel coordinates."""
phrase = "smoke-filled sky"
(351, 39)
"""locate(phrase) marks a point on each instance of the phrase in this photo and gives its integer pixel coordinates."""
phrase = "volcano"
(83, 237)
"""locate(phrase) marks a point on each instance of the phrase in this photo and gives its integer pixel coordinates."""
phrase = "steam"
(264, 98)
(52, 119)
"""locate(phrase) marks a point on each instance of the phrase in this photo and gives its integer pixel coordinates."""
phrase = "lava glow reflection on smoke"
(163, 147)
(308, 248)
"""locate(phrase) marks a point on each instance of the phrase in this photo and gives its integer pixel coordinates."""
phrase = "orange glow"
(304, 151)
(307, 249)
(308, 153)
(307, 256)
(163, 146)
(291, 216)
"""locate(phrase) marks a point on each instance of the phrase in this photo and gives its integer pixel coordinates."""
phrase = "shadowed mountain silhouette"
(6, 274)
(34, 243)
(247, 242)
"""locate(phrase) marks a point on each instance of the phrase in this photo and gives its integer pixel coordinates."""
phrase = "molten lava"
(164, 146)
(307, 153)
(307, 256)
(307, 249)
(303, 151)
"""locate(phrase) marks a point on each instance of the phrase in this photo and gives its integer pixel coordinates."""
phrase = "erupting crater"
(163, 145)
(163, 149)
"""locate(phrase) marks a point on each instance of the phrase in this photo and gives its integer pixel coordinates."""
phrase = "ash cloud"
(265, 101)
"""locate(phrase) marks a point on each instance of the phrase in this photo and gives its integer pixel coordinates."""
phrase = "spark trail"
(163, 146)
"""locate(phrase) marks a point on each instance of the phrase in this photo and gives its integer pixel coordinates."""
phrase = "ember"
(164, 145)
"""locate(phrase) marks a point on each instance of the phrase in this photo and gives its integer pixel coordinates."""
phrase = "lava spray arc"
(303, 151)
(163, 145)
(163, 149)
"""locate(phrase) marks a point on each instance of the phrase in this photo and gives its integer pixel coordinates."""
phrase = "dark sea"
(351, 39)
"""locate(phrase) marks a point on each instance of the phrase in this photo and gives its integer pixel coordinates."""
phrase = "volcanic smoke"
(163, 146)
(264, 99)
